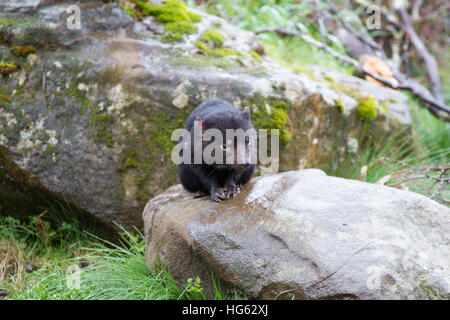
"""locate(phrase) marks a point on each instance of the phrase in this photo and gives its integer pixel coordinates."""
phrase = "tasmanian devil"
(220, 180)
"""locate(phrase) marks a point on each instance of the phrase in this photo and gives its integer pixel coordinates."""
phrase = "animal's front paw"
(232, 191)
(218, 194)
(198, 194)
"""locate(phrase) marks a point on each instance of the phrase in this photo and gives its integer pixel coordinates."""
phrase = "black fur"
(220, 181)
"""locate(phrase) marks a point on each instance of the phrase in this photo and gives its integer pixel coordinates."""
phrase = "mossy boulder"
(87, 115)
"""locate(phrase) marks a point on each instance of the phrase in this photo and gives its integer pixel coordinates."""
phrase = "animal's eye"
(224, 147)
(247, 140)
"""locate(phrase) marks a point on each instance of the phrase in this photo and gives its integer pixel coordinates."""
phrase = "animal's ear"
(246, 113)
(198, 122)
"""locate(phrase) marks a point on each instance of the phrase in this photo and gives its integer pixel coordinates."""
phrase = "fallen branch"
(439, 175)
(438, 109)
(405, 24)
(430, 62)
(364, 39)
(415, 11)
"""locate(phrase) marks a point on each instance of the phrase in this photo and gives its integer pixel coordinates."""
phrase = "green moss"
(83, 109)
(213, 37)
(140, 182)
(4, 99)
(181, 27)
(79, 96)
(328, 78)
(279, 104)
(241, 63)
(202, 46)
(23, 51)
(130, 163)
(131, 12)
(340, 105)
(307, 73)
(12, 133)
(38, 37)
(102, 123)
(172, 37)
(355, 93)
(110, 76)
(7, 68)
(398, 121)
(276, 118)
(220, 52)
(179, 20)
(367, 108)
(161, 133)
(170, 11)
(198, 61)
(149, 146)
(51, 149)
(346, 89)
(255, 55)
(279, 118)
(14, 20)
(279, 121)
(383, 107)
(177, 29)
(281, 86)
(392, 100)
(43, 136)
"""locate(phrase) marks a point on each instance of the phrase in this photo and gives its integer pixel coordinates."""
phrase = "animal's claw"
(236, 192)
(232, 191)
(218, 194)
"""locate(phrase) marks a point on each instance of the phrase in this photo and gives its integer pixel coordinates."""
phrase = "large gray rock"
(88, 117)
(306, 235)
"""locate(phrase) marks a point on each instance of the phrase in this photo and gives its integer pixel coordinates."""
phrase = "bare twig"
(437, 99)
(438, 174)
(365, 39)
(415, 12)
(430, 61)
